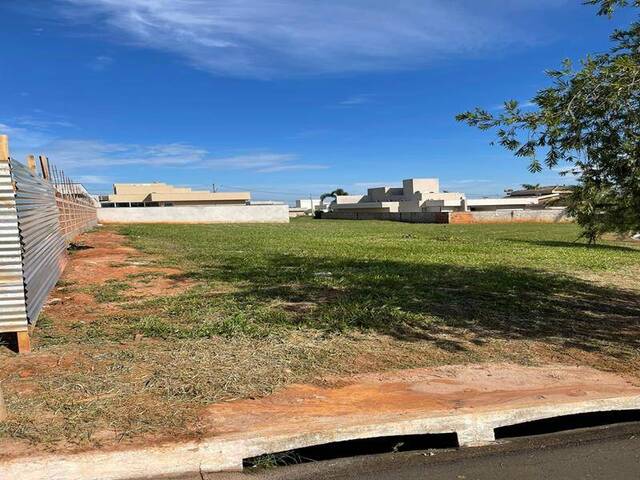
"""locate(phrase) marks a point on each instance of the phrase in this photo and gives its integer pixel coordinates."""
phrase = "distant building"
(546, 195)
(164, 195)
(264, 202)
(307, 203)
(423, 195)
(304, 206)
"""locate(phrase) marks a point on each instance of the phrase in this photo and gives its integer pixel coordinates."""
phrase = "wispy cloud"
(21, 138)
(309, 133)
(262, 163)
(289, 168)
(83, 154)
(388, 183)
(522, 104)
(467, 181)
(473, 186)
(356, 100)
(267, 38)
(42, 123)
(100, 63)
(93, 179)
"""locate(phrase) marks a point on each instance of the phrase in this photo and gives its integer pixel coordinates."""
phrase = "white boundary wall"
(196, 214)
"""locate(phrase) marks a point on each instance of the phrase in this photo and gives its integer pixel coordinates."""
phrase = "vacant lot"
(155, 322)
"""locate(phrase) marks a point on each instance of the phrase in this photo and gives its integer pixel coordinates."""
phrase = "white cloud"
(21, 138)
(391, 183)
(289, 168)
(93, 180)
(467, 181)
(42, 124)
(473, 187)
(262, 163)
(521, 104)
(270, 38)
(85, 154)
(356, 100)
(72, 153)
(309, 133)
(91, 153)
(100, 63)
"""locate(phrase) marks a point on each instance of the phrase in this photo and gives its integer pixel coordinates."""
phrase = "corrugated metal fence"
(13, 316)
(44, 247)
(39, 215)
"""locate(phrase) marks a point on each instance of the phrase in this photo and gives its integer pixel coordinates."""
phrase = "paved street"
(597, 453)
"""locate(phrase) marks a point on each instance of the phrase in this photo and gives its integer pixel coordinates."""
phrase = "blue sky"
(283, 97)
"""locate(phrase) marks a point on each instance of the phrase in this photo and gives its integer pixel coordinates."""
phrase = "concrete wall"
(509, 216)
(308, 203)
(377, 194)
(409, 217)
(500, 216)
(423, 185)
(197, 214)
(340, 199)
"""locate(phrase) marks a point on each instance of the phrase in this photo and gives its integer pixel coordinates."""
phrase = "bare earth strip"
(468, 400)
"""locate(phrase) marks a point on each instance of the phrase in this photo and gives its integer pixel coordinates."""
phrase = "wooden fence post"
(44, 166)
(24, 342)
(31, 163)
(4, 147)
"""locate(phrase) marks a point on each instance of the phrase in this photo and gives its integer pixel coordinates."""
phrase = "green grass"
(271, 305)
(110, 291)
(510, 281)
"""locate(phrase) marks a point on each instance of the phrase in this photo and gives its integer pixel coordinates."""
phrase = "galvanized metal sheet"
(44, 248)
(13, 315)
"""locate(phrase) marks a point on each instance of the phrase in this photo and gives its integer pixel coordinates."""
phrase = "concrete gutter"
(471, 401)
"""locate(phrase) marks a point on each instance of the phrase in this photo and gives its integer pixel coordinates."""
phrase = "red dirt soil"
(416, 392)
(395, 396)
(103, 256)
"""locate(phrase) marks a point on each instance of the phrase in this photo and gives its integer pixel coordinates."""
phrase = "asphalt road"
(597, 453)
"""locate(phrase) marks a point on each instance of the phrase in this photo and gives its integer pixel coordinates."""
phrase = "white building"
(307, 203)
(423, 195)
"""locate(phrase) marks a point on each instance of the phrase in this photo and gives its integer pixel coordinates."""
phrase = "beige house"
(163, 195)
(423, 195)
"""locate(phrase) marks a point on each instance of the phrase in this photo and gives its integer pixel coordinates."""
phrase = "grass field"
(268, 305)
(403, 280)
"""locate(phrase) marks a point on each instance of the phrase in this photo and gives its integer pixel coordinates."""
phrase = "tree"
(530, 186)
(334, 194)
(588, 120)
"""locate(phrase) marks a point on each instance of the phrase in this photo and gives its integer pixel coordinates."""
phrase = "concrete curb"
(226, 452)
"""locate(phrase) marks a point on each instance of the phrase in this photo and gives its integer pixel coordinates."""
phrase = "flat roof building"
(423, 195)
(159, 194)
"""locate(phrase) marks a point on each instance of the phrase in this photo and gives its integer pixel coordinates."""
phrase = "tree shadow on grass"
(415, 301)
(576, 244)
